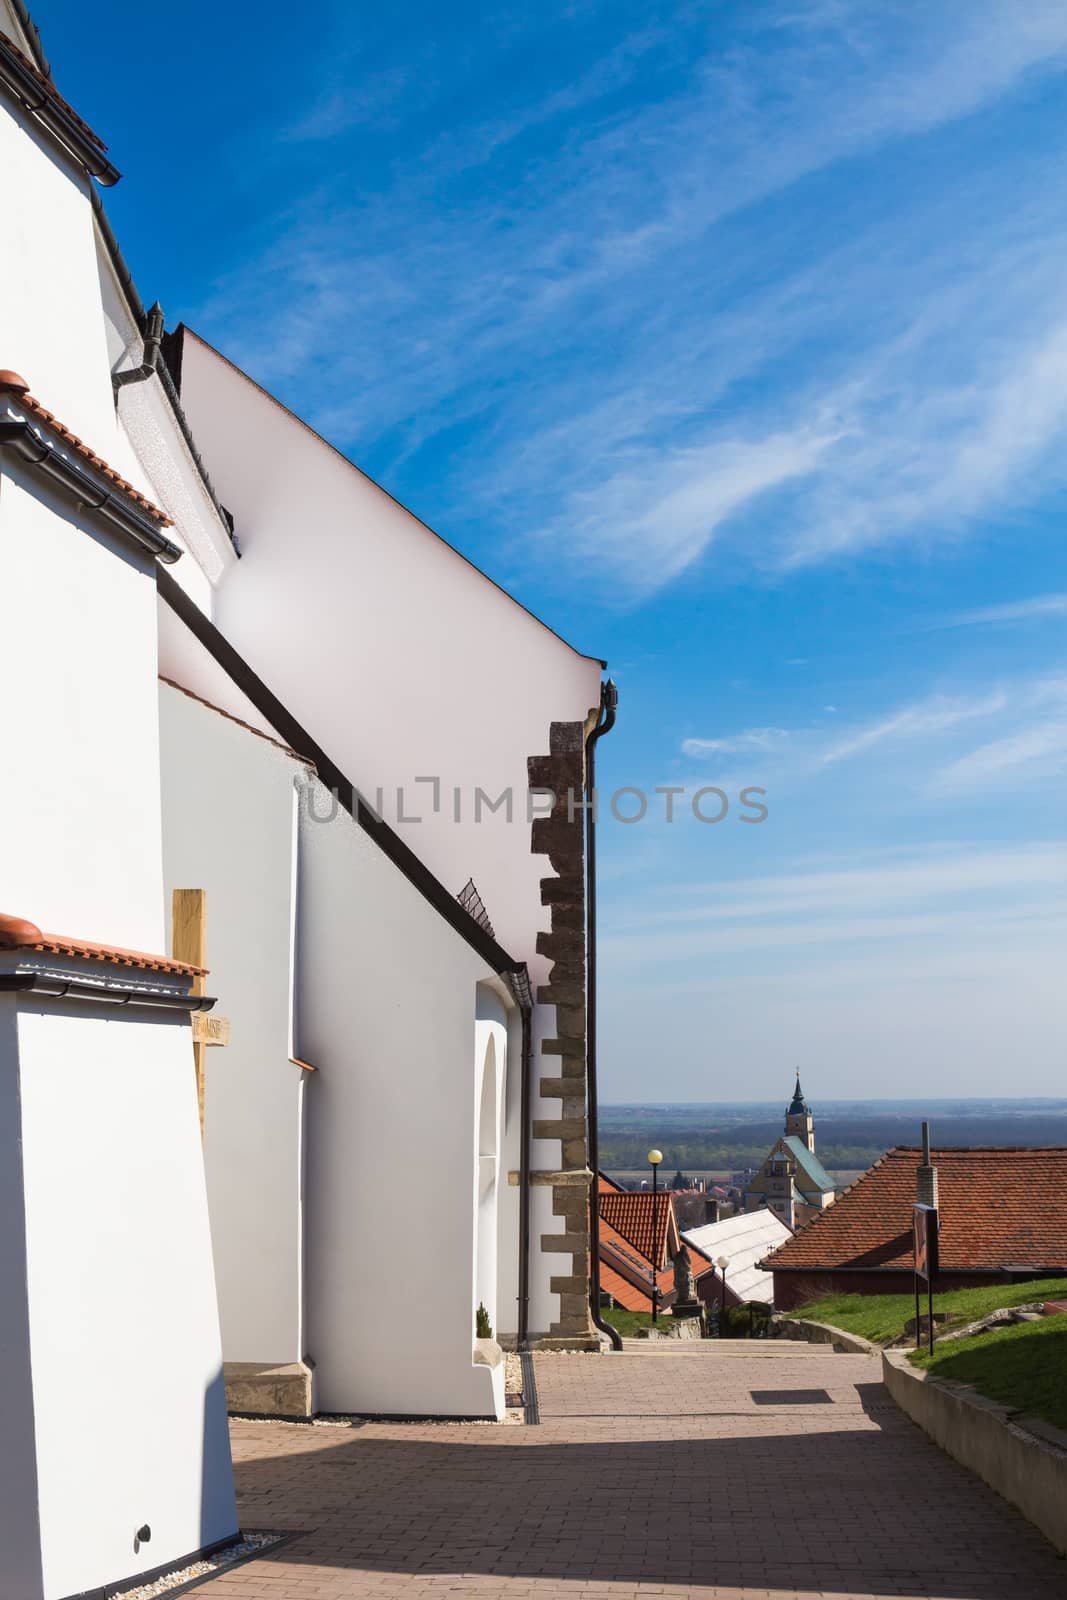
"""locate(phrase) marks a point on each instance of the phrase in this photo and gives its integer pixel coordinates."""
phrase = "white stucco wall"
(229, 826)
(403, 660)
(392, 1009)
(127, 1385)
(387, 1010)
(21, 1576)
(51, 327)
(79, 810)
(117, 1291)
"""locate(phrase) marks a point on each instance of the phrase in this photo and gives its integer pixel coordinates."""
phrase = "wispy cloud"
(752, 739)
(1039, 605)
(570, 278)
(1036, 751)
(940, 744)
(931, 895)
(936, 715)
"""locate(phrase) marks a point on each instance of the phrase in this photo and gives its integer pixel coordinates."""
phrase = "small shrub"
(748, 1321)
(483, 1328)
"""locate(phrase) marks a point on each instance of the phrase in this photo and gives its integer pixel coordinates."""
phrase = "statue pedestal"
(686, 1308)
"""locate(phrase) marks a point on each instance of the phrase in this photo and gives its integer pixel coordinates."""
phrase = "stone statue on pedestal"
(686, 1303)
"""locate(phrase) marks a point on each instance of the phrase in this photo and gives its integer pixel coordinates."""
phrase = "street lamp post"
(722, 1263)
(654, 1159)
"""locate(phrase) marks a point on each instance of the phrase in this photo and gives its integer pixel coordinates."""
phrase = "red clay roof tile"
(997, 1208)
(12, 384)
(50, 90)
(629, 1212)
(18, 934)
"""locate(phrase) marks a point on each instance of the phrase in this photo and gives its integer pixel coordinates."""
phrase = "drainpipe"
(153, 338)
(523, 1180)
(609, 700)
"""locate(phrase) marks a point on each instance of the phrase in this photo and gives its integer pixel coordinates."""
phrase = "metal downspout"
(524, 1179)
(609, 700)
(153, 338)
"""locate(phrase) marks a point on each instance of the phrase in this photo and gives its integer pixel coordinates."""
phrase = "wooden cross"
(189, 943)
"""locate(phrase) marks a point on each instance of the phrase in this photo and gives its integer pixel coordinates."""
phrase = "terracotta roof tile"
(11, 384)
(629, 1212)
(997, 1208)
(626, 1274)
(17, 934)
(50, 90)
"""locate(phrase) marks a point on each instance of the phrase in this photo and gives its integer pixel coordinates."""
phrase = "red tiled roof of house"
(630, 1271)
(18, 934)
(997, 1208)
(626, 1275)
(11, 384)
(50, 89)
(629, 1212)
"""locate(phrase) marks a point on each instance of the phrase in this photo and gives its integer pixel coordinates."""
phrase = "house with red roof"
(639, 1238)
(1002, 1213)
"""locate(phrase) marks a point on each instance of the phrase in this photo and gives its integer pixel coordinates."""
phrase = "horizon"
(906, 1100)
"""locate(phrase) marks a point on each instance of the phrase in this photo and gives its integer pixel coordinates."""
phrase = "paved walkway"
(746, 1470)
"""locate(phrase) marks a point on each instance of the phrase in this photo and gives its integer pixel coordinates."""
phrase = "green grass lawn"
(1023, 1366)
(881, 1317)
(628, 1322)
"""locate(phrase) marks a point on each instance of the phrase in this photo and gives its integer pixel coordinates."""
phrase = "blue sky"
(732, 338)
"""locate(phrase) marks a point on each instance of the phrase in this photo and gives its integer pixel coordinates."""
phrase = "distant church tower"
(798, 1117)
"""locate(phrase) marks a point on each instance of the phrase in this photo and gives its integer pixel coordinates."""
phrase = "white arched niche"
(490, 1083)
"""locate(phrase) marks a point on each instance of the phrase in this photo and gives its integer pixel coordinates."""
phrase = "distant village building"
(792, 1181)
(743, 1241)
(1003, 1214)
(639, 1239)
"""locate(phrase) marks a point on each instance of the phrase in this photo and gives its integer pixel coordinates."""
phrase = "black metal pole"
(609, 700)
(930, 1308)
(655, 1202)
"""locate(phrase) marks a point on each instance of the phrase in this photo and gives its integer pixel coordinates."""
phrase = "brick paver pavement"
(653, 1473)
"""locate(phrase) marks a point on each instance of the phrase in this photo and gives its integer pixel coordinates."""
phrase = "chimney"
(926, 1177)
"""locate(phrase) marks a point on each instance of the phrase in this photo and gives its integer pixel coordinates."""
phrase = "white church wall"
(21, 1575)
(386, 1009)
(403, 660)
(229, 827)
(51, 328)
(130, 1430)
(79, 814)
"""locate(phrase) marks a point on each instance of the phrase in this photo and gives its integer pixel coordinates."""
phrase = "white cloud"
(936, 715)
(938, 899)
(662, 517)
(597, 314)
(1041, 605)
(1036, 751)
(752, 739)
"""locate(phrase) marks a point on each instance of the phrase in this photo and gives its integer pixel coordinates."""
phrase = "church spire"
(798, 1106)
